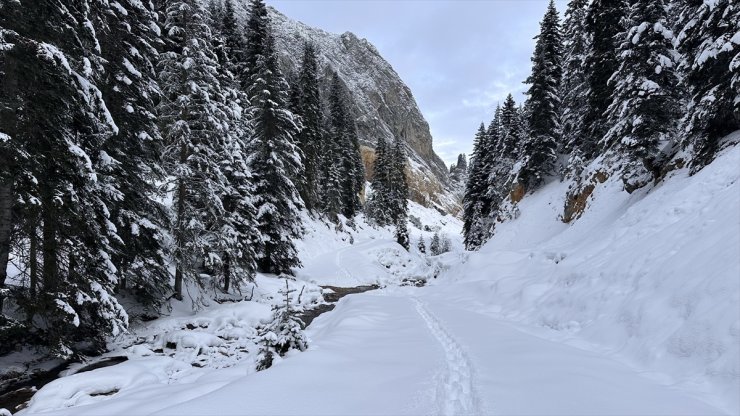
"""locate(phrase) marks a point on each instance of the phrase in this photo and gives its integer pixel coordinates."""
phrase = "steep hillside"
(651, 278)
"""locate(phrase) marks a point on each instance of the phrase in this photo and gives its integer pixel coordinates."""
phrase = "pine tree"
(603, 23)
(379, 204)
(422, 245)
(233, 44)
(710, 47)
(283, 334)
(307, 104)
(402, 233)
(343, 133)
(257, 29)
(191, 117)
(445, 244)
(474, 199)
(510, 131)
(435, 248)
(274, 160)
(539, 150)
(59, 125)
(133, 156)
(574, 85)
(399, 190)
(645, 103)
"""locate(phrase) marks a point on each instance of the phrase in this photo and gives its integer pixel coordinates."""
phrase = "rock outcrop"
(382, 104)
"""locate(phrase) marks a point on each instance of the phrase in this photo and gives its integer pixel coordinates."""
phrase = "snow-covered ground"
(632, 309)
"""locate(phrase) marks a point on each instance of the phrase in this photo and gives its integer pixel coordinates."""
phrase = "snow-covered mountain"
(382, 104)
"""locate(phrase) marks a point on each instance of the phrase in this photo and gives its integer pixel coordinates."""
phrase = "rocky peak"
(382, 104)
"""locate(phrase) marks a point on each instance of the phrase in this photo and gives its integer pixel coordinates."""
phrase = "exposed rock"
(577, 198)
(382, 104)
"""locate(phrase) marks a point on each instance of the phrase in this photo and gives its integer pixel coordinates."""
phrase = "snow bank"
(652, 278)
(363, 254)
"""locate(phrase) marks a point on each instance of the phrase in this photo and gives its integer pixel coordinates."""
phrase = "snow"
(631, 309)
(69, 310)
(131, 69)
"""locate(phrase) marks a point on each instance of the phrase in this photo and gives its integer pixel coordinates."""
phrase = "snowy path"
(416, 351)
(457, 389)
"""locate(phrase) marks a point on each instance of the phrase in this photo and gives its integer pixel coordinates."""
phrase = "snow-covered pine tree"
(308, 106)
(497, 170)
(543, 139)
(236, 230)
(191, 117)
(574, 85)
(274, 160)
(215, 14)
(354, 167)
(233, 54)
(402, 233)
(603, 23)
(257, 29)
(133, 157)
(445, 244)
(283, 333)
(343, 133)
(510, 131)
(645, 101)
(421, 245)
(378, 206)
(59, 124)
(435, 248)
(709, 42)
(399, 194)
(474, 204)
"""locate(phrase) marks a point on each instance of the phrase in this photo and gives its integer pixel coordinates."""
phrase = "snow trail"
(458, 393)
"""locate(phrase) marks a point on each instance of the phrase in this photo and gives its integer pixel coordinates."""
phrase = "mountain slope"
(382, 104)
(652, 277)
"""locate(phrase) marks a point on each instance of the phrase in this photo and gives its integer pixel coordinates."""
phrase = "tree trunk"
(6, 227)
(179, 232)
(227, 272)
(33, 260)
(49, 243)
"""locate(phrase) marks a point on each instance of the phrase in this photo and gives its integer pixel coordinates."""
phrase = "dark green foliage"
(475, 202)
(190, 118)
(388, 202)
(603, 22)
(257, 30)
(59, 123)
(574, 85)
(539, 149)
(307, 104)
(645, 104)
(274, 160)
(343, 133)
(129, 86)
(711, 70)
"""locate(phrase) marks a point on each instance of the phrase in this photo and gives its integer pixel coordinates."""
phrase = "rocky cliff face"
(381, 103)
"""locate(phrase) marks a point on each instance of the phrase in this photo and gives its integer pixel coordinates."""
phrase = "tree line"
(151, 147)
(629, 88)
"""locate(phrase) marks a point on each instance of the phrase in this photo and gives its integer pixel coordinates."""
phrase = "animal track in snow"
(457, 393)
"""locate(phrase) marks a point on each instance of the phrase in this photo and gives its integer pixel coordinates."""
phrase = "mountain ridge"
(383, 105)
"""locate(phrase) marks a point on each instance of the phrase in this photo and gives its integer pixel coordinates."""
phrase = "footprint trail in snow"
(457, 393)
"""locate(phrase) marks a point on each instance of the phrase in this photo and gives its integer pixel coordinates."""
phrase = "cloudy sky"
(459, 58)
